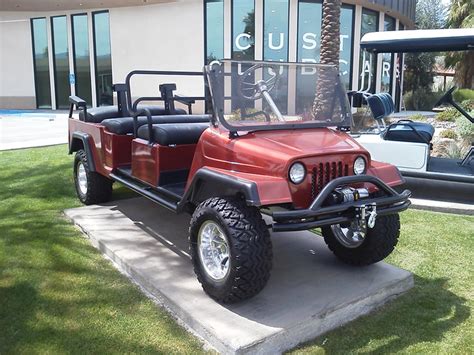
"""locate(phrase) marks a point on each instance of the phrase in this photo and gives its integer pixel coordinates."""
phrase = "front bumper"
(318, 216)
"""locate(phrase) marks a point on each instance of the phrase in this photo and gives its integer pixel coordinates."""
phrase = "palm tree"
(461, 15)
(330, 38)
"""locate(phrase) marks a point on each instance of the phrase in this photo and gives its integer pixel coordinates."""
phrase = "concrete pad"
(309, 292)
(442, 206)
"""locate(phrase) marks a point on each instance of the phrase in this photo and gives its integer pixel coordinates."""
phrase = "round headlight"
(359, 166)
(297, 173)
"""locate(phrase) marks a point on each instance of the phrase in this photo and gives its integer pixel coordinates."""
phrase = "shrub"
(420, 100)
(468, 105)
(448, 115)
(465, 128)
(463, 94)
(448, 133)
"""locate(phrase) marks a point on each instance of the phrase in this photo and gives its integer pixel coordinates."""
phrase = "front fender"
(258, 190)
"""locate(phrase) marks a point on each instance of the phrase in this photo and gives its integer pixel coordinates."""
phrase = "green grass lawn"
(57, 293)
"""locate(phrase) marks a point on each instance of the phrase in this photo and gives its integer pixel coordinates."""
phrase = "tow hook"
(363, 211)
(372, 217)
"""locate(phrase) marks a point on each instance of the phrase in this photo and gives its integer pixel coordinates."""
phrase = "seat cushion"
(98, 114)
(381, 105)
(407, 131)
(174, 133)
(124, 125)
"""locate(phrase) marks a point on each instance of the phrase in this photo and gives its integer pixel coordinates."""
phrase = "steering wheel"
(253, 90)
(446, 98)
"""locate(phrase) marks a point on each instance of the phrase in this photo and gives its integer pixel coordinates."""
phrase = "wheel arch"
(208, 183)
(81, 140)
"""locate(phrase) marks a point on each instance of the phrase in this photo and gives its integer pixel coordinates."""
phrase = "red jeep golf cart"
(268, 147)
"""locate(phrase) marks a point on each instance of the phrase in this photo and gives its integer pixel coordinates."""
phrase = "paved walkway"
(32, 129)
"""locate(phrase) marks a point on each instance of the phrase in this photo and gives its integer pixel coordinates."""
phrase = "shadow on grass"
(424, 314)
(58, 294)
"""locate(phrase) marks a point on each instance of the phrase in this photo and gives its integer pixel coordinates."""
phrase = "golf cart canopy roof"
(419, 41)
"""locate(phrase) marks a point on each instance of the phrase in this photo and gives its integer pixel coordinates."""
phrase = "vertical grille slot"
(323, 173)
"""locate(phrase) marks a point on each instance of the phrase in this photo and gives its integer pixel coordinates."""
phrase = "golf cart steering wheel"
(446, 98)
(253, 90)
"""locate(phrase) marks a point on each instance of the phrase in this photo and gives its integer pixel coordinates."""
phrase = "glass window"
(347, 30)
(41, 62)
(309, 36)
(275, 43)
(309, 30)
(61, 61)
(398, 77)
(103, 60)
(82, 68)
(387, 59)
(370, 23)
(275, 31)
(214, 30)
(243, 29)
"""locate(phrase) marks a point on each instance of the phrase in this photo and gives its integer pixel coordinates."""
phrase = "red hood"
(269, 152)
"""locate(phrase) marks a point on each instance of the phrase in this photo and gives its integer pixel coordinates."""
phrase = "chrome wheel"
(82, 178)
(349, 237)
(213, 249)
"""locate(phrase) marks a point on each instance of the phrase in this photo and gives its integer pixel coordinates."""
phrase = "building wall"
(16, 61)
(158, 37)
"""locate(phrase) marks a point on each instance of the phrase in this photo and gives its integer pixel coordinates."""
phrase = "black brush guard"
(317, 215)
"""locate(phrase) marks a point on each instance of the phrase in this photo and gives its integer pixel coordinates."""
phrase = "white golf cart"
(407, 144)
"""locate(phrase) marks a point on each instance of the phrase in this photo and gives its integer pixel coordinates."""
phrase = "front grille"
(323, 173)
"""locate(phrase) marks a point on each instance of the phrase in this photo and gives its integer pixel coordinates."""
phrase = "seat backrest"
(381, 105)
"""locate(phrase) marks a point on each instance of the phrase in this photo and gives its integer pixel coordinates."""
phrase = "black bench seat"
(174, 133)
(124, 125)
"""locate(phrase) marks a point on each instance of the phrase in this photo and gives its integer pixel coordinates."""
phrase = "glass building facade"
(272, 21)
(103, 58)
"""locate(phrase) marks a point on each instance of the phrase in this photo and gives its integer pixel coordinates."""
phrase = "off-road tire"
(99, 188)
(379, 242)
(249, 245)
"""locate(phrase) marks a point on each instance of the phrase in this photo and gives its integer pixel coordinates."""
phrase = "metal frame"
(133, 107)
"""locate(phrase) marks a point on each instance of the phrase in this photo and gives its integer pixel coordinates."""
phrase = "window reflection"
(387, 59)
(82, 69)
(61, 61)
(368, 64)
(275, 44)
(103, 61)
(41, 63)
(243, 29)
(214, 30)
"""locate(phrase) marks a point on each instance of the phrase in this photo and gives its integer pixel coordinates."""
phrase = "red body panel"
(265, 157)
(110, 150)
(148, 161)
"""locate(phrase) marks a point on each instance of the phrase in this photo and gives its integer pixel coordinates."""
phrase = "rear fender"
(81, 140)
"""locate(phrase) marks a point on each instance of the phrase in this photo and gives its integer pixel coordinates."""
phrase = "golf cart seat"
(124, 125)
(409, 131)
(382, 106)
(173, 133)
(99, 114)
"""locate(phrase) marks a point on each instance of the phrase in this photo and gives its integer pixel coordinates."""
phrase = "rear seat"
(171, 134)
(98, 114)
(124, 125)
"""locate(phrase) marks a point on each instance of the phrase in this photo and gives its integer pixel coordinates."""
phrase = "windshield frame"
(344, 125)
